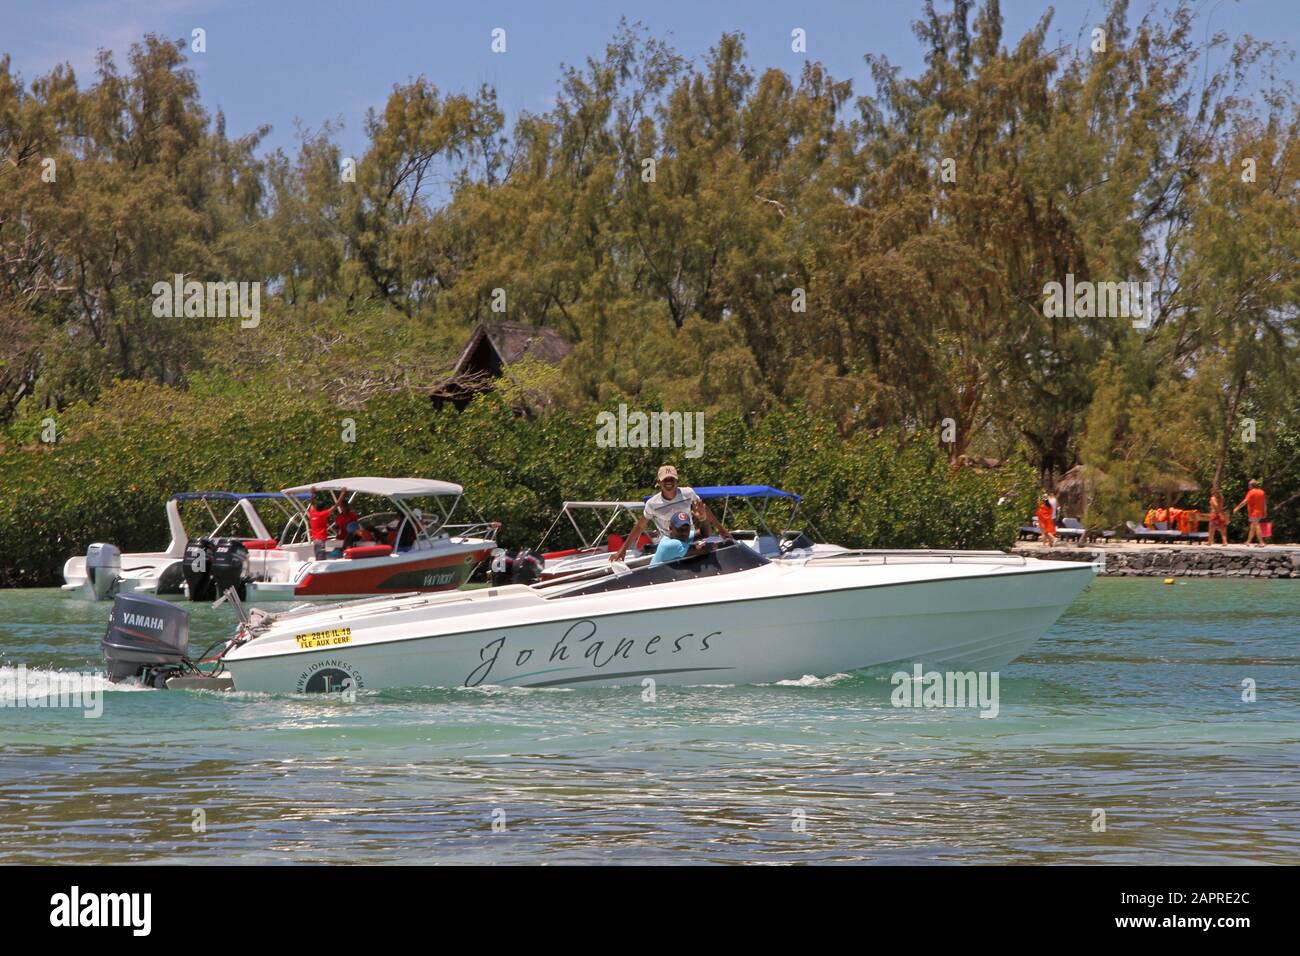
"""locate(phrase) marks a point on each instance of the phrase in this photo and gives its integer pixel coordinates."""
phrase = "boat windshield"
(726, 558)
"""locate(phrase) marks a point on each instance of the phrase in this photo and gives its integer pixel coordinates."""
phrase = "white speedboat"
(729, 616)
(104, 571)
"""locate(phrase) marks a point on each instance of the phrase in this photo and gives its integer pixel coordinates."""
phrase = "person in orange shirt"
(1045, 523)
(1256, 505)
(1218, 516)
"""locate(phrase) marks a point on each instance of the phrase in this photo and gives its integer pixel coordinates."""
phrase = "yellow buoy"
(1169, 580)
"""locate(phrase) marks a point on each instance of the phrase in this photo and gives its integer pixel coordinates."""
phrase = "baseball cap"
(680, 520)
(666, 471)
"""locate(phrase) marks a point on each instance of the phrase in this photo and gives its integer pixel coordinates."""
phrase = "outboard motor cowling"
(230, 567)
(197, 568)
(146, 638)
(527, 568)
(515, 567)
(103, 570)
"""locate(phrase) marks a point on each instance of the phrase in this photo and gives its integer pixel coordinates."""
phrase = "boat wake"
(33, 684)
(808, 680)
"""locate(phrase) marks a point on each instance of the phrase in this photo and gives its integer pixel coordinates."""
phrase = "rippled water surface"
(1131, 705)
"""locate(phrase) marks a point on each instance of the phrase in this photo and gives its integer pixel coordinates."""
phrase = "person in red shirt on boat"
(318, 520)
(348, 523)
(1256, 505)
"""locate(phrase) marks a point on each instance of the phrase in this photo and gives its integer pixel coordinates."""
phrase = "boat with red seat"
(423, 549)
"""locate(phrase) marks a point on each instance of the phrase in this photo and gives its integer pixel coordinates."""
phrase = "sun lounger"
(1074, 528)
(1143, 533)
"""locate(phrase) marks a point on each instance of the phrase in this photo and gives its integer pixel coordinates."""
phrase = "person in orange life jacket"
(318, 520)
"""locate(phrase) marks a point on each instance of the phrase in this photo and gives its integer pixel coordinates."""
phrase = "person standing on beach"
(1218, 515)
(1256, 505)
(1045, 523)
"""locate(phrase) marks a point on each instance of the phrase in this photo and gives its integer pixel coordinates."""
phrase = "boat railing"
(904, 556)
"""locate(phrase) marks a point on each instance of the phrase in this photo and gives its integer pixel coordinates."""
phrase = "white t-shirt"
(661, 512)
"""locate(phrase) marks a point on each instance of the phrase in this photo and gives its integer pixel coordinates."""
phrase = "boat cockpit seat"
(369, 551)
(552, 555)
(616, 541)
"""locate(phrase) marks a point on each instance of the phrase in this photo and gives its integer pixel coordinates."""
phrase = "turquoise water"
(1132, 704)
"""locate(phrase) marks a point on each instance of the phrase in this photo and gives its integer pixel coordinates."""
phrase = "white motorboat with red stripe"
(425, 550)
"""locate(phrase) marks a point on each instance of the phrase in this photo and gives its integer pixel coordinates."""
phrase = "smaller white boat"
(594, 548)
(103, 571)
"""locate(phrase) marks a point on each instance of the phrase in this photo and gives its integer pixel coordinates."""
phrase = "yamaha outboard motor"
(103, 569)
(527, 569)
(499, 569)
(146, 638)
(515, 567)
(197, 568)
(230, 567)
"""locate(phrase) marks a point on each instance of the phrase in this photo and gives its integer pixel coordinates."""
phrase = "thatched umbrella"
(1171, 486)
(1072, 489)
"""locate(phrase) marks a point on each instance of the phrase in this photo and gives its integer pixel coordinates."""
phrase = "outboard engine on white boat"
(147, 638)
(515, 567)
(197, 568)
(103, 569)
(230, 567)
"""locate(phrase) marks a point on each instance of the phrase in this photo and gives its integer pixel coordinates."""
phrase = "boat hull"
(443, 569)
(977, 623)
(149, 574)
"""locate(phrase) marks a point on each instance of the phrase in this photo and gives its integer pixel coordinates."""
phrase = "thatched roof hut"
(490, 348)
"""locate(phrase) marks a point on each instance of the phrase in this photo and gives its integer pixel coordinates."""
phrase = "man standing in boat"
(661, 507)
(318, 520)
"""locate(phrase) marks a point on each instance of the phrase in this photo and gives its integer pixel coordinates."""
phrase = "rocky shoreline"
(1193, 561)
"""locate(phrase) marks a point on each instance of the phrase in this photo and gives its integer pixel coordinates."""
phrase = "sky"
(291, 62)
